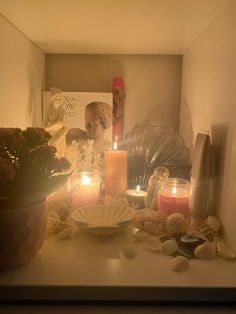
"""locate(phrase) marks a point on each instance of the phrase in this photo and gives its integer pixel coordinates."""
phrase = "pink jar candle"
(173, 197)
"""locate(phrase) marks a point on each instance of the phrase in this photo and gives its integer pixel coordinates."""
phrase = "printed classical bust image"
(82, 131)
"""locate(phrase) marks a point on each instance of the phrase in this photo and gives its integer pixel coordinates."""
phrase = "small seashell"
(139, 235)
(208, 233)
(205, 251)
(169, 247)
(153, 244)
(176, 224)
(213, 223)
(53, 215)
(179, 263)
(223, 250)
(64, 234)
(152, 228)
(60, 226)
(129, 251)
(197, 234)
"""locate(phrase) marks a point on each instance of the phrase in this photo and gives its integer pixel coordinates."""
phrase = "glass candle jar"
(173, 197)
(84, 188)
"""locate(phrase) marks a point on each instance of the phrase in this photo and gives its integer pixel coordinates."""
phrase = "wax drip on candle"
(85, 179)
(138, 189)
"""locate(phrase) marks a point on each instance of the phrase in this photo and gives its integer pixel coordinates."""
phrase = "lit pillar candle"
(173, 197)
(85, 188)
(136, 198)
(115, 172)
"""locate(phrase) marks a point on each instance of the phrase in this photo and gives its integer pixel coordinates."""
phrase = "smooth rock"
(213, 223)
(153, 244)
(176, 224)
(140, 235)
(153, 228)
(179, 263)
(205, 251)
(169, 247)
(129, 251)
(223, 250)
(190, 241)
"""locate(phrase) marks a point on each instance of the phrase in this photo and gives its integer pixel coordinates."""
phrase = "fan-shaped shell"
(103, 219)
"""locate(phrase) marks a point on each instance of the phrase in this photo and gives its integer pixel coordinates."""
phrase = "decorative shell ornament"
(213, 223)
(151, 146)
(153, 244)
(176, 224)
(103, 219)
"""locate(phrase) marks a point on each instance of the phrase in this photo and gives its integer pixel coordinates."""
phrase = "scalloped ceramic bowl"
(103, 219)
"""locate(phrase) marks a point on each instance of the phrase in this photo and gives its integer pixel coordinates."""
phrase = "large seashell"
(64, 234)
(169, 247)
(179, 263)
(223, 250)
(153, 244)
(205, 251)
(213, 223)
(152, 228)
(129, 251)
(103, 219)
(139, 235)
(176, 224)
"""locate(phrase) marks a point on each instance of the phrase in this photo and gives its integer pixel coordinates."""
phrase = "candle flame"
(174, 190)
(85, 179)
(115, 145)
(138, 188)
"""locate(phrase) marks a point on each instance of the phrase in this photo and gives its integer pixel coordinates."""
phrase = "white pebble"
(129, 251)
(169, 247)
(179, 263)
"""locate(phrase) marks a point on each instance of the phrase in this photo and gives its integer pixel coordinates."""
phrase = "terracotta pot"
(22, 232)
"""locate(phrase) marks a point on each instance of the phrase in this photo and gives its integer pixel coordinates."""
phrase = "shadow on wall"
(162, 115)
(221, 141)
(185, 125)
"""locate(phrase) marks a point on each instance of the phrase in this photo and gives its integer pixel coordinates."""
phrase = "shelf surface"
(91, 267)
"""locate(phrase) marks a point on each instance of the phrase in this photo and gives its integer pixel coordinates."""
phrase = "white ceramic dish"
(103, 219)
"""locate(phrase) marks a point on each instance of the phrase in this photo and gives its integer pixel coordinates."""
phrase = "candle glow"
(138, 188)
(115, 146)
(85, 179)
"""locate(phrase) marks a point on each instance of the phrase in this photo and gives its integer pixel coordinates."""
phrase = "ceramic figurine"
(159, 175)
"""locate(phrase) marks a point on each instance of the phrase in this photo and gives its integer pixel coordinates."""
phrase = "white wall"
(152, 82)
(21, 78)
(209, 102)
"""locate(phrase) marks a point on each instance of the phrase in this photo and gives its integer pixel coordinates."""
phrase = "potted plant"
(29, 172)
